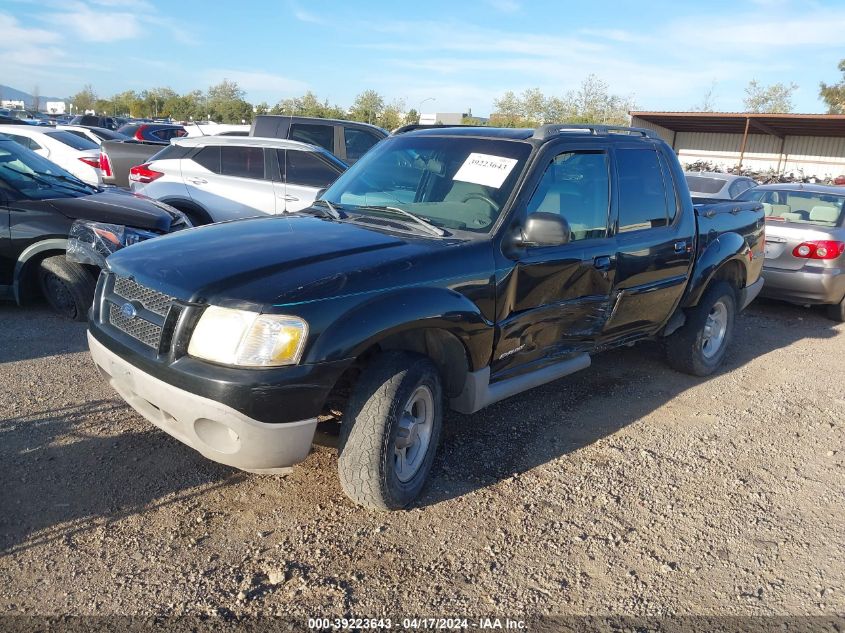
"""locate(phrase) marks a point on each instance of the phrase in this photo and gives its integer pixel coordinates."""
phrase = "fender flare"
(183, 203)
(406, 309)
(726, 248)
(31, 251)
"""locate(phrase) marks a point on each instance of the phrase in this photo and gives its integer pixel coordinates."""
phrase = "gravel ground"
(626, 489)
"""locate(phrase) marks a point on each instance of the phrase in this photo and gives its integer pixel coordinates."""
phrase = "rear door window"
(642, 194)
(242, 162)
(25, 141)
(358, 142)
(320, 135)
(209, 157)
(306, 168)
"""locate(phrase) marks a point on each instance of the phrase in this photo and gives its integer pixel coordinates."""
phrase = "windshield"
(799, 206)
(36, 178)
(453, 182)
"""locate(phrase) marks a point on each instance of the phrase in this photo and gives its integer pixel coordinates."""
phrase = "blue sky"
(464, 54)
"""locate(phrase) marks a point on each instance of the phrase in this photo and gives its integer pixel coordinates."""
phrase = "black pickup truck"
(448, 267)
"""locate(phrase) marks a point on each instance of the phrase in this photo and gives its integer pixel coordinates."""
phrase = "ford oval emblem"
(128, 310)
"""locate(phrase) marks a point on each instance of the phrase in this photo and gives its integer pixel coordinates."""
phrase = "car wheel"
(390, 431)
(699, 346)
(67, 286)
(837, 311)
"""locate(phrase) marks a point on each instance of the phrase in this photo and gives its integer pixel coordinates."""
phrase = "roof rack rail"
(545, 132)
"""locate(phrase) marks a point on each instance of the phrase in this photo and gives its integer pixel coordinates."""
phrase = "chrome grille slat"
(144, 331)
(152, 300)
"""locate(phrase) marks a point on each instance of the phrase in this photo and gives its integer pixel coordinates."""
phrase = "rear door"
(654, 242)
(230, 181)
(304, 174)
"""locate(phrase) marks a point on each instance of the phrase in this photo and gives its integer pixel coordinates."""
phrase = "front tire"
(699, 346)
(390, 431)
(67, 286)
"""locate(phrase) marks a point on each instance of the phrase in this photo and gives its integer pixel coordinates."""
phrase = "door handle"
(197, 181)
(291, 199)
(681, 247)
(602, 263)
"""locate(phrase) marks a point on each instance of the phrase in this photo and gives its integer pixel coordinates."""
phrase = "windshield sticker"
(484, 169)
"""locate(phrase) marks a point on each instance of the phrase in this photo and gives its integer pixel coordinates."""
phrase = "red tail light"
(105, 165)
(139, 132)
(143, 174)
(94, 162)
(819, 249)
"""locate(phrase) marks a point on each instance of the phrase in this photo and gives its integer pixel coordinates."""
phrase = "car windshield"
(25, 172)
(454, 182)
(799, 206)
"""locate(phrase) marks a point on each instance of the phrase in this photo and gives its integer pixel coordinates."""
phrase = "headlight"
(248, 339)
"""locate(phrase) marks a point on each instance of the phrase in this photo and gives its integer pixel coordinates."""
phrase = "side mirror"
(543, 229)
(320, 192)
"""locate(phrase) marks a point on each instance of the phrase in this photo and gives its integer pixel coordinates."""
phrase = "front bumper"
(808, 285)
(219, 432)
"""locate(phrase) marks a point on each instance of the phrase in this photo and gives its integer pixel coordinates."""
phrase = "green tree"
(368, 107)
(85, 99)
(262, 108)
(412, 117)
(226, 103)
(508, 111)
(533, 107)
(393, 115)
(834, 94)
(774, 98)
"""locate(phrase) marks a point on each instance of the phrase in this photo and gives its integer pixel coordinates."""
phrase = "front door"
(305, 174)
(556, 301)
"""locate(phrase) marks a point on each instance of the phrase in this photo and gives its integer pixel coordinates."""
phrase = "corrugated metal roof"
(776, 124)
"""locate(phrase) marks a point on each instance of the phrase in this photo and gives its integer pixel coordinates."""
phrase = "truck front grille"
(138, 311)
(144, 331)
(152, 300)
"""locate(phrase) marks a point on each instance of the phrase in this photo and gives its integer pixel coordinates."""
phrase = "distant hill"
(7, 92)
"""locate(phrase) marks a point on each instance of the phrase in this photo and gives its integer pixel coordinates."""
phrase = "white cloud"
(258, 85)
(505, 6)
(96, 25)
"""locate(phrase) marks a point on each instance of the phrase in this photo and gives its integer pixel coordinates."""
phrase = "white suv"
(79, 156)
(216, 178)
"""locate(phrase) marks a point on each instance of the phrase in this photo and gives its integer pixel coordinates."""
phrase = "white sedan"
(79, 156)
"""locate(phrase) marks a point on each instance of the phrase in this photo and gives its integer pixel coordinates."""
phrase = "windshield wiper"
(69, 179)
(331, 209)
(40, 179)
(424, 224)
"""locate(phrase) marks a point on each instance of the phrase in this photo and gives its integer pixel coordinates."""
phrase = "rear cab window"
(313, 134)
(358, 142)
(643, 195)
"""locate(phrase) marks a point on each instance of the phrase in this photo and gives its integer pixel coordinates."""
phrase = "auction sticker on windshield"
(485, 169)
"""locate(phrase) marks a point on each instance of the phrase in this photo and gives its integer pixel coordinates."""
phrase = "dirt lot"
(626, 489)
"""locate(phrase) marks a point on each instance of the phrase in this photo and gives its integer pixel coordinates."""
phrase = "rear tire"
(699, 346)
(67, 286)
(390, 431)
(837, 311)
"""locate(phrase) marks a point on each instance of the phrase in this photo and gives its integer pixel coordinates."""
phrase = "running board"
(478, 392)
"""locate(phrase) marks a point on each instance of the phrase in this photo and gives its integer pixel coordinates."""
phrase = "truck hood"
(279, 260)
(116, 206)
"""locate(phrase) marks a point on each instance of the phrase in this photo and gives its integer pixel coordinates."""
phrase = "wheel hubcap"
(715, 329)
(62, 299)
(414, 434)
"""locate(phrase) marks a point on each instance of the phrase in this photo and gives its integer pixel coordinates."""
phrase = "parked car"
(39, 203)
(457, 266)
(8, 120)
(79, 156)
(706, 184)
(155, 132)
(30, 117)
(91, 120)
(95, 134)
(805, 244)
(197, 128)
(215, 178)
(348, 140)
